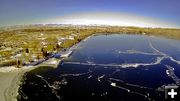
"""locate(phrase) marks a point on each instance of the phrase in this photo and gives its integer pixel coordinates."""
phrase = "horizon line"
(98, 25)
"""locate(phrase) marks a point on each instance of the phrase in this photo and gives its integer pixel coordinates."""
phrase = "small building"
(71, 37)
(59, 43)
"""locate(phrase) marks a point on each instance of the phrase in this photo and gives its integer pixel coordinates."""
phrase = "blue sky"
(15, 12)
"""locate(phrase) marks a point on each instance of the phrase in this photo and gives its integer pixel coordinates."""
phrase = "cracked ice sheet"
(126, 58)
(155, 51)
(91, 50)
(144, 93)
(137, 76)
(168, 46)
(146, 48)
(54, 85)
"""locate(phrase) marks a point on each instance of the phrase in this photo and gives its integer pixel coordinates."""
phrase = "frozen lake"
(109, 68)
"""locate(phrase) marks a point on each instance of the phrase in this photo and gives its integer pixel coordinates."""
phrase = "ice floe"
(78, 74)
(113, 84)
(170, 73)
(126, 65)
(100, 77)
(136, 52)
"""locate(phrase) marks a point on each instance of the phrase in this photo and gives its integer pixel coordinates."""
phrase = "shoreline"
(11, 93)
(12, 79)
(11, 83)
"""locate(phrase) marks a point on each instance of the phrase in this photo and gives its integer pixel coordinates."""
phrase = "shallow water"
(110, 68)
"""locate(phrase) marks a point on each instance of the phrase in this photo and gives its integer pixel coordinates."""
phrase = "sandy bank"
(10, 79)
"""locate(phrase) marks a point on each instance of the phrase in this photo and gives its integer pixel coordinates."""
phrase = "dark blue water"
(108, 68)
